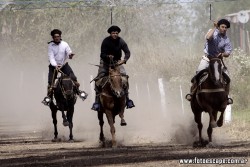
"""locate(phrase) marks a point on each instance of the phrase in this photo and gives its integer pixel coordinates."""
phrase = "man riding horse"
(58, 52)
(111, 52)
(217, 45)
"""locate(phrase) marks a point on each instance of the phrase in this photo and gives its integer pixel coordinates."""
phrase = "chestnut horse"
(210, 97)
(113, 101)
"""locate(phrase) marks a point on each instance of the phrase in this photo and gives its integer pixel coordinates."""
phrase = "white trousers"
(204, 63)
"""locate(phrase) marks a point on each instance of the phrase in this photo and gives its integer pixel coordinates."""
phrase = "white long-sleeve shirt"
(58, 54)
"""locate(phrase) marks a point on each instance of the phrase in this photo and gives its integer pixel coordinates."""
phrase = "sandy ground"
(33, 150)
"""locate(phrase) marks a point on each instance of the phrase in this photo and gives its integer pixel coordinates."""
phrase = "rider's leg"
(51, 79)
(68, 71)
(129, 102)
(204, 63)
(102, 71)
(97, 105)
(47, 99)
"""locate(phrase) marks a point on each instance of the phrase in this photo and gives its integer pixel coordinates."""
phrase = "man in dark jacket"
(111, 49)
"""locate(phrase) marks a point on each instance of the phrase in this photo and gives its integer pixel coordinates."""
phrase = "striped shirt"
(58, 54)
(218, 44)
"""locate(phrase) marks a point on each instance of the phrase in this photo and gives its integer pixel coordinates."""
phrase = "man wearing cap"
(111, 48)
(217, 45)
(58, 52)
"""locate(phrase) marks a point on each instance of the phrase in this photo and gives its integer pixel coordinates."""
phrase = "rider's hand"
(215, 24)
(71, 55)
(110, 57)
(120, 62)
(58, 67)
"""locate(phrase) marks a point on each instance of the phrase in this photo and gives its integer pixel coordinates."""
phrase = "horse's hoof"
(210, 145)
(56, 140)
(213, 124)
(219, 123)
(198, 144)
(71, 141)
(102, 139)
(123, 122)
(65, 123)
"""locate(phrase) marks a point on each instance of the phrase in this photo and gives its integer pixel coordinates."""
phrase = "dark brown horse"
(65, 100)
(210, 97)
(113, 102)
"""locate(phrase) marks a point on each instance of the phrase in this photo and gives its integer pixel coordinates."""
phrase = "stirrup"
(130, 104)
(230, 101)
(189, 97)
(46, 101)
(96, 107)
(83, 95)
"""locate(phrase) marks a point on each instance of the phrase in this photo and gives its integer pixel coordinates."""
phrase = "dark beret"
(114, 29)
(55, 31)
(224, 21)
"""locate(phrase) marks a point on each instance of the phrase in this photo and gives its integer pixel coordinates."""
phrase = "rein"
(63, 90)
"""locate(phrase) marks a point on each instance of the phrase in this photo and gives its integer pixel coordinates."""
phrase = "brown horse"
(113, 102)
(210, 97)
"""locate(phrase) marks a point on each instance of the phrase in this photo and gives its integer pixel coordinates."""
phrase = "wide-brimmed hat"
(55, 31)
(114, 29)
(224, 21)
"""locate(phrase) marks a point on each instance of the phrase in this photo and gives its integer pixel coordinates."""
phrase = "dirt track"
(35, 151)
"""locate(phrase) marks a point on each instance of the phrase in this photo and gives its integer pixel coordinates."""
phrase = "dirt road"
(35, 151)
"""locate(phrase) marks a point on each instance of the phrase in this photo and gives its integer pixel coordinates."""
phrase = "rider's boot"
(83, 95)
(129, 102)
(97, 105)
(229, 100)
(47, 100)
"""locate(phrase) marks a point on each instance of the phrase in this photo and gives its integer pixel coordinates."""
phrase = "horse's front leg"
(197, 118)
(101, 122)
(70, 113)
(220, 120)
(210, 128)
(213, 118)
(65, 121)
(121, 113)
(53, 114)
(112, 127)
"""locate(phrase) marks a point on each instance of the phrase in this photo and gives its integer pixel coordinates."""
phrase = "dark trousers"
(66, 69)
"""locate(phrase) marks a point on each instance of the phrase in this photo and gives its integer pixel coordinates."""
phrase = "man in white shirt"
(58, 52)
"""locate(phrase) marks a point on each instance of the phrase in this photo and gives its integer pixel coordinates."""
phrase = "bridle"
(65, 92)
(112, 64)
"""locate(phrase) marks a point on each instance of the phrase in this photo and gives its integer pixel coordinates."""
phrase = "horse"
(65, 97)
(113, 102)
(210, 97)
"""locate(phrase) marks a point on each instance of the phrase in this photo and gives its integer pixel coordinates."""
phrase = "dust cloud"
(22, 112)
(160, 115)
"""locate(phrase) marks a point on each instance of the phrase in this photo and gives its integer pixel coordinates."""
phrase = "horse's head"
(115, 80)
(215, 70)
(67, 87)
